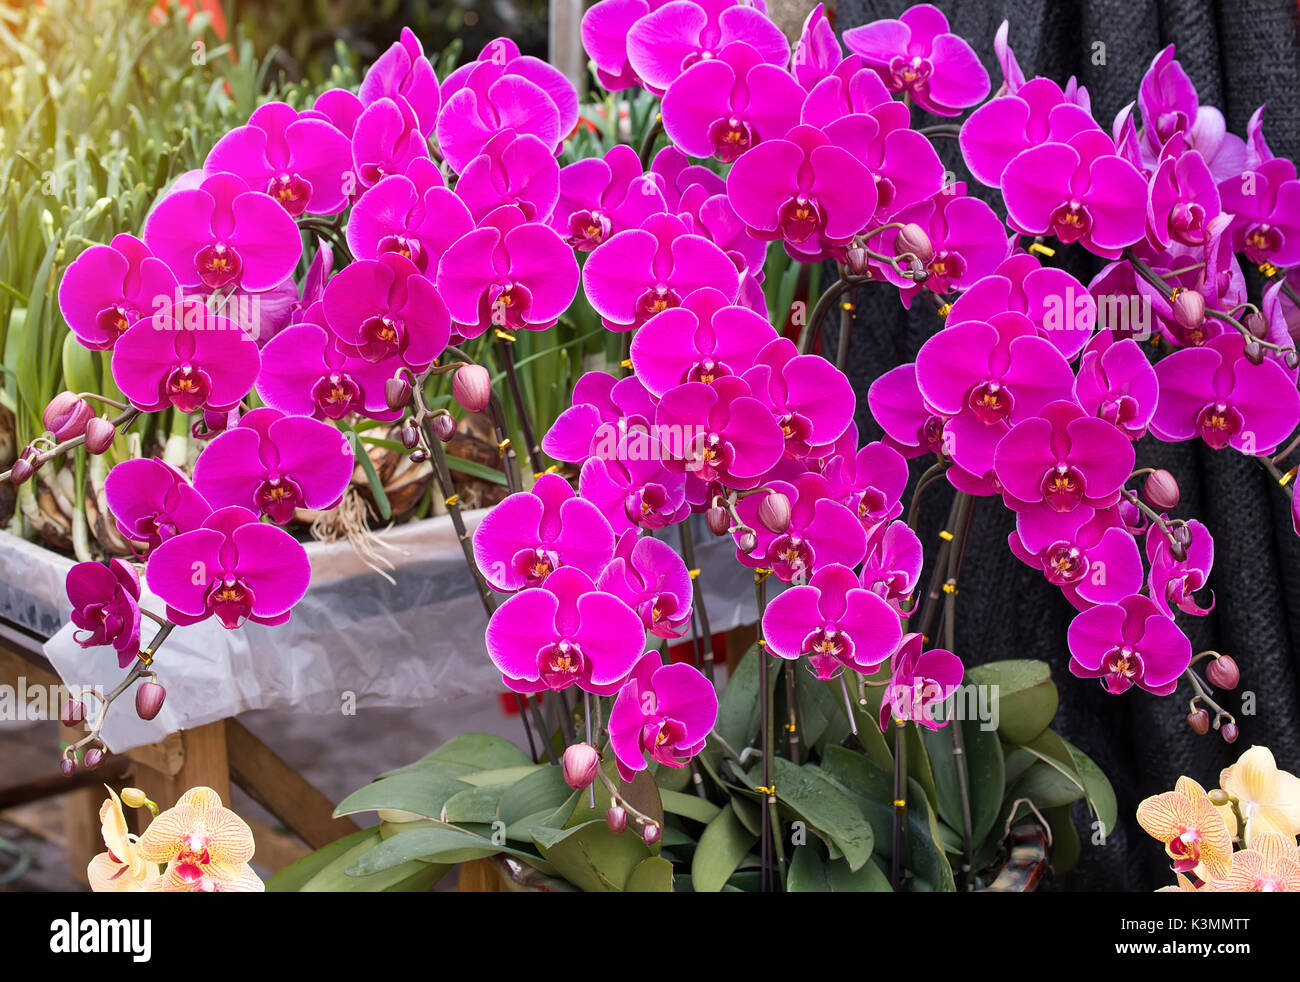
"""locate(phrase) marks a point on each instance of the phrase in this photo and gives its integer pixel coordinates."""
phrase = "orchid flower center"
(188, 388)
(218, 265)
(1187, 223)
(115, 320)
(656, 300)
(791, 556)
(706, 370)
(292, 191)
(382, 337)
(587, 229)
(661, 736)
(510, 306)
(800, 218)
(1261, 242)
(408, 246)
(1122, 666)
(277, 497)
(944, 268)
(336, 395)
(535, 564)
(709, 457)
(561, 664)
(1219, 423)
(731, 137)
(1065, 563)
(931, 433)
(991, 402)
(1071, 221)
(647, 506)
(231, 599)
(1063, 488)
(909, 73)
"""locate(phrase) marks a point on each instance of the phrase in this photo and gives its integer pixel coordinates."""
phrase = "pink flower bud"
(774, 512)
(25, 466)
(99, 435)
(912, 238)
(747, 542)
(472, 387)
(719, 520)
(409, 436)
(419, 456)
(581, 762)
(1254, 352)
(444, 426)
(857, 262)
(397, 393)
(66, 416)
(74, 712)
(94, 757)
(1161, 490)
(651, 834)
(1223, 673)
(1189, 310)
(149, 699)
(1229, 732)
(68, 766)
(1199, 721)
(616, 818)
(1256, 324)
(1292, 359)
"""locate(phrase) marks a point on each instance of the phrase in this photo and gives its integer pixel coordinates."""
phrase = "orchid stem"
(708, 653)
(900, 802)
(121, 422)
(505, 344)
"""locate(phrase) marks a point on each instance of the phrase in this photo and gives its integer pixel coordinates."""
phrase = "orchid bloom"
(110, 287)
(106, 605)
(664, 712)
(1267, 798)
(123, 867)
(153, 501)
(206, 847)
(1270, 865)
(1191, 828)
(652, 579)
(1129, 643)
(919, 683)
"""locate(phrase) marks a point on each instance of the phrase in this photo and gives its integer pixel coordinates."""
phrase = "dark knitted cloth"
(1239, 55)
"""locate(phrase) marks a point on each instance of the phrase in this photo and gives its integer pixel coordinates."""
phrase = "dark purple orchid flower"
(912, 427)
(1117, 383)
(805, 189)
(305, 372)
(1059, 467)
(1060, 307)
(1129, 643)
(490, 100)
(723, 106)
(152, 501)
(1038, 112)
(273, 464)
(835, 622)
(817, 52)
(1266, 206)
(605, 27)
(602, 196)
(642, 271)
(969, 242)
(605, 412)
(1214, 392)
(232, 566)
(987, 377)
(109, 287)
(718, 432)
(1183, 200)
(403, 72)
(893, 564)
(811, 400)
(566, 632)
(1173, 581)
(663, 712)
(920, 682)
(664, 43)
(222, 233)
(1098, 564)
(634, 491)
(702, 340)
(513, 169)
(1170, 107)
(301, 162)
(508, 273)
(106, 606)
(1079, 191)
(651, 578)
(412, 214)
(870, 481)
(383, 309)
(917, 54)
(387, 140)
(822, 532)
(523, 540)
(185, 356)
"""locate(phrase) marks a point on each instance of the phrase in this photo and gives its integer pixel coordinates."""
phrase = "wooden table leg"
(188, 759)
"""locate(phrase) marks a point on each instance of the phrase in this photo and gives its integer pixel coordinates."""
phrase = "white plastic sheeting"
(355, 641)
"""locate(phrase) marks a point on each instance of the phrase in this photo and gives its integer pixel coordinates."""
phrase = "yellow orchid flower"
(1184, 885)
(1267, 798)
(206, 846)
(1193, 831)
(1271, 864)
(123, 868)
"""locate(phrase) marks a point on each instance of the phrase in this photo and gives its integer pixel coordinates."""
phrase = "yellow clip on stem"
(503, 335)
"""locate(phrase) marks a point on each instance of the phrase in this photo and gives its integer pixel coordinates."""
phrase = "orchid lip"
(188, 388)
(1218, 424)
(510, 306)
(1063, 488)
(1071, 221)
(218, 265)
(1187, 223)
(381, 337)
(656, 300)
(587, 229)
(800, 218)
(278, 497)
(408, 246)
(1065, 563)
(231, 599)
(730, 138)
(336, 395)
(1261, 242)
(115, 320)
(292, 191)
(991, 402)
(561, 664)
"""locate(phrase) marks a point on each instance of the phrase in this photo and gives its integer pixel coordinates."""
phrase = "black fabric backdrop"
(1239, 55)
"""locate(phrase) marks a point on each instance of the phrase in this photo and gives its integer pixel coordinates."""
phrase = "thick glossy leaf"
(817, 705)
(478, 804)
(1101, 796)
(421, 791)
(984, 770)
(591, 857)
(1026, 696)
(738, 707)
(292, 877)
(481, 751)
(689, 806)
(1066, 846)
(542, 790)
(653, 875)
(502, 775)
(826, 807)
(809, 873)
(404, 877)
(918, 763)
(436, 844)
(722, 846)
